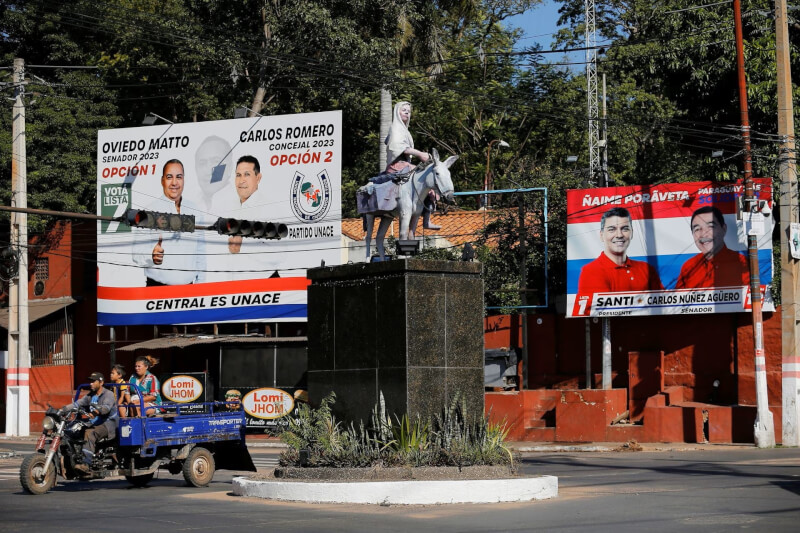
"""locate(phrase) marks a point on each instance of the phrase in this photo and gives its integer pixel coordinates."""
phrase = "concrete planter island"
(400, 492)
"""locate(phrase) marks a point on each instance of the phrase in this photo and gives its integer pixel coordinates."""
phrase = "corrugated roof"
(39, 309)
(185, 342)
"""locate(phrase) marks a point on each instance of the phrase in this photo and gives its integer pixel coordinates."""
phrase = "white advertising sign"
(182, 389)
(268, 403)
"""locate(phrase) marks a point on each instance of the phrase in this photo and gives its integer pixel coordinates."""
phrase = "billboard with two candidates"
(280, 169)
(675, 248)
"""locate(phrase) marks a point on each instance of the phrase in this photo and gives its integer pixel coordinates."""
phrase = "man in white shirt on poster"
(171, 257)
(249, 203)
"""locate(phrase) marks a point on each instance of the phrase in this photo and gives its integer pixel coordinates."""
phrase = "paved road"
(708, 491)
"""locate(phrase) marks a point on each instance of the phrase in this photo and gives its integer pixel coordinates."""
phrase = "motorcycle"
(59, 451)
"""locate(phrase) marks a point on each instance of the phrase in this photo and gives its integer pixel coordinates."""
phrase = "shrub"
(315, 438)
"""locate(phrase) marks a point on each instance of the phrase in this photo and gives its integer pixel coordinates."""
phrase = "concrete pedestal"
(412, 329)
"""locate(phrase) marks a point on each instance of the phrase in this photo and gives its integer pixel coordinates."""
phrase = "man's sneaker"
(82, 468)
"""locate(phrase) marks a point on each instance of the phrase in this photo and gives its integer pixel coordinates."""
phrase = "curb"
(523, 447)
(563, 449)
(18, 439)
(6, 454)
(401, 492)
(278, 445)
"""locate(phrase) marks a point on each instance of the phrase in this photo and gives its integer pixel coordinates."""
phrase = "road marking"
(9, 473)
(265, 462)
(789, 461)
(725, 520)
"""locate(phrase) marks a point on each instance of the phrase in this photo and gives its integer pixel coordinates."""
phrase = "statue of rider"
(399, 151)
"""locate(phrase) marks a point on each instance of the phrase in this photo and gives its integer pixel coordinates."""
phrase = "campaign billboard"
(676, 248)
(281, 169)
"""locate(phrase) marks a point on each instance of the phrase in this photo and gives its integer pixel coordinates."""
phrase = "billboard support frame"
(523, 266)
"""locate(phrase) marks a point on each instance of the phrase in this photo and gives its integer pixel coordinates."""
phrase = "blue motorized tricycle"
(193, 443)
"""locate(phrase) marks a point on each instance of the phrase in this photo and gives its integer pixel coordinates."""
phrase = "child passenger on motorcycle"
(123, 391)
(145, 384)
(101, 403)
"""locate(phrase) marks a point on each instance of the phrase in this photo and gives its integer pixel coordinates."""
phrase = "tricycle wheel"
(33, 477)
(140, 481)
(198, 468)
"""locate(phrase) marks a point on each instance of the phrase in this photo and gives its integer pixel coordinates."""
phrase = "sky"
(539, 23)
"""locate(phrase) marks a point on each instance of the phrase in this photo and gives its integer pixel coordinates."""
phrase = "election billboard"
(278, 169)
(677, 248)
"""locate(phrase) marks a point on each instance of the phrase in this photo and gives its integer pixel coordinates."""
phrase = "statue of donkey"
(411, 201)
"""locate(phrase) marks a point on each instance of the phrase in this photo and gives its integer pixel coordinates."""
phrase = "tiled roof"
(458, 226)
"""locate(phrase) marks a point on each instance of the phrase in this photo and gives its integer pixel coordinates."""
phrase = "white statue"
(411, 201)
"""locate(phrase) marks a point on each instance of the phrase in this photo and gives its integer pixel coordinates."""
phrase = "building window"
(42, 269)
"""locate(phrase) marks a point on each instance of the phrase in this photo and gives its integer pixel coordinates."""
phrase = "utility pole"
(764, 429)
(787, 171)
(606, 326)
(606, 322)
(19, 364)
(604, 141)
(523, 283)
(595, 165)
(386, 123)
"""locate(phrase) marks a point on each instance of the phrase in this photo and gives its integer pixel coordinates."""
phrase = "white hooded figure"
(212, 167)
(400, 148)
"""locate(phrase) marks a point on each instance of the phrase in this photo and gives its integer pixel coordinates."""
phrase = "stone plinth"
(411, 328)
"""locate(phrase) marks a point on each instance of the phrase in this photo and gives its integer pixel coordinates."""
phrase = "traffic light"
(9, 263)
(160, 221)
(251, 228)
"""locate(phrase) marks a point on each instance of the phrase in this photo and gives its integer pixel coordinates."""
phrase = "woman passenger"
(145, 385)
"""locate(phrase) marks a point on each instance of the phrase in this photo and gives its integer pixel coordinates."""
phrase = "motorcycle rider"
(102, 403)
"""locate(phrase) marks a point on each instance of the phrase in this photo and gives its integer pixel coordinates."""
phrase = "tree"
(672, 74)
(64, 110)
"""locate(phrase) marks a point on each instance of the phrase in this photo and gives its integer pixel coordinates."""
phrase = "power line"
(93, 67)
(693, 8)
(317, 69)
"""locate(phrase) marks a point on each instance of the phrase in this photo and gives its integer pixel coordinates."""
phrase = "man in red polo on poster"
(614, 271)
(716, 265)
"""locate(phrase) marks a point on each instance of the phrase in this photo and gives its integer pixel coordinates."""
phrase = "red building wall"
(90, 356)
(697, 351)
(54, 247)
(68, 249)
(50, 385)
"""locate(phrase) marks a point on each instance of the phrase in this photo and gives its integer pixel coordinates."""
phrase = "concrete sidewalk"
(631, 446)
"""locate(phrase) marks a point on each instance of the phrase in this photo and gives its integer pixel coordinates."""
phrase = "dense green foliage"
(673, 92)
(670, 67)
(452, 438)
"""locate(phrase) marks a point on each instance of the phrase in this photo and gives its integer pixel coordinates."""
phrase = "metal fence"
(52, 340)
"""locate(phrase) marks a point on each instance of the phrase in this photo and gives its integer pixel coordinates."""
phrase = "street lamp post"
(503, 144)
